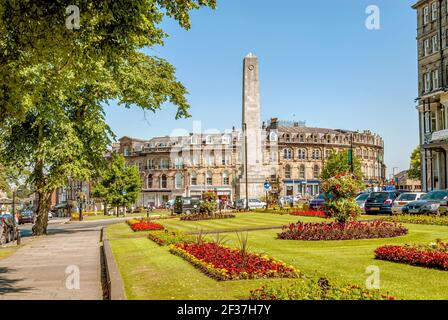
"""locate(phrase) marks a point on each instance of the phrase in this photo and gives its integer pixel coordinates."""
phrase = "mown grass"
(151, 272)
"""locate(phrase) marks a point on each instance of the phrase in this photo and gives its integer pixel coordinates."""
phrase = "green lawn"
(151, 272)
(243, 220)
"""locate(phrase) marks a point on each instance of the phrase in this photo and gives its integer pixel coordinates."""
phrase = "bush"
(419, 219)
(225, 263)
(342, 205)
(200, 216)
(316, 289)
(208, 204)
(167, 237)
(433, 256)
(341, 231)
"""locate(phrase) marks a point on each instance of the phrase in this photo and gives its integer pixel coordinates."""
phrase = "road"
(59, 225)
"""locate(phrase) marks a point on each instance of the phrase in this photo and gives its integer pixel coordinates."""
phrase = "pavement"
(64, 265)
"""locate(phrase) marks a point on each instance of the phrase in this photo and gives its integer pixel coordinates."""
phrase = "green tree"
(119, 185)
(337, 163)
(55, 81)
(415, 167)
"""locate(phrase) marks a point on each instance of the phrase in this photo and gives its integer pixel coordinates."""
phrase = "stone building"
(432, 43)
(293, 153)
(288, 154)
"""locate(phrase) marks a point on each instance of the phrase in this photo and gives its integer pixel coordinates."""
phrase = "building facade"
(432, 43)
(293, 155)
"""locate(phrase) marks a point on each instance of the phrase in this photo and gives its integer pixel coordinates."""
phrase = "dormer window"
(225, 139)
(208, 140)
(273, 136)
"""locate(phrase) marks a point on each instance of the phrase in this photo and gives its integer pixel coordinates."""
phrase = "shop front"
(301, 187)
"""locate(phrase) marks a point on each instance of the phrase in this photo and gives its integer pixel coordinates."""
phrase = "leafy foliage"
(119, 185)
(415, 170)
(55, 81)
(337, 162)
(208, 205)
(342, 205)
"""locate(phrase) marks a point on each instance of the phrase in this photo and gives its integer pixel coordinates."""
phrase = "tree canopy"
(337, 163)
(415, 171)
(55, 82)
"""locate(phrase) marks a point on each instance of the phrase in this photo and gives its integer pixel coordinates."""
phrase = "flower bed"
(309, 213)
(167, 237)
(342, 231)
(224, 263)
(316, 289)
(419, 219)
(144, 225)
(432, 256)
(199, 216)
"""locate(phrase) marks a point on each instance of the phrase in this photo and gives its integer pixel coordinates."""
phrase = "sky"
(318, 63)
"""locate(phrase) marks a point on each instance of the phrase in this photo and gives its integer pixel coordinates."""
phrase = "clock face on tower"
(251, 67)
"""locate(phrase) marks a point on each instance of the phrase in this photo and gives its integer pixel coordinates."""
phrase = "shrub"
(208, 205)
(200, 216)
(167, 237)
(432, 256)
(342, 231)
(419, 219)
(316, 289)
(342, 205)
(225, 263)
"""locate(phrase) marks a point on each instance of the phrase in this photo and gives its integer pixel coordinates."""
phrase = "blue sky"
(318, 62)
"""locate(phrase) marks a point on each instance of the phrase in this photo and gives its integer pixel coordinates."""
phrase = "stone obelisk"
(251, 125)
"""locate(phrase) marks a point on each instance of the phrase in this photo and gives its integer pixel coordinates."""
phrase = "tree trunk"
(43, 206)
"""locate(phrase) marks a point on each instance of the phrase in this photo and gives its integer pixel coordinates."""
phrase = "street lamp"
(80, 198)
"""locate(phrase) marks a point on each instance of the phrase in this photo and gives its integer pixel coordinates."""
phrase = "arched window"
(208, 178)
(287, 171)
(225, 178)
(163, 183)
(302, 138)
(287, 154)
(193, 179)
(301, 154)
(150, 181)
(179, 180)
(316, 171)
(302, 171)
(316, 154)
(272, 136)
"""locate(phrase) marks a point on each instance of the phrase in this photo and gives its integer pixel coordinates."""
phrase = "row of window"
(430, 16)
(327, 138)
(179, 180)
(302, 175)
(316, 154)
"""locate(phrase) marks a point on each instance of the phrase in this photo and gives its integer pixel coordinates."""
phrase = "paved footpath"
(46, 267)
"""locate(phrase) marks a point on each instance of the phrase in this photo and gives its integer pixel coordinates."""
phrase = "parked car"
(253, 204)
(405, 198)
(361, 199)
(8, 228)
(186, 205)
(318, 203)
(430, 203)
(26, 217)
(380, 202)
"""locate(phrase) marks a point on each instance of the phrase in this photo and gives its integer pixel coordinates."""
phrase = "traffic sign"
(267, 185)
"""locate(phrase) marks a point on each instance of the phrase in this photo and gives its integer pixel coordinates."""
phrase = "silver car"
(361, 200)
(253, 204)
(405, 198)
